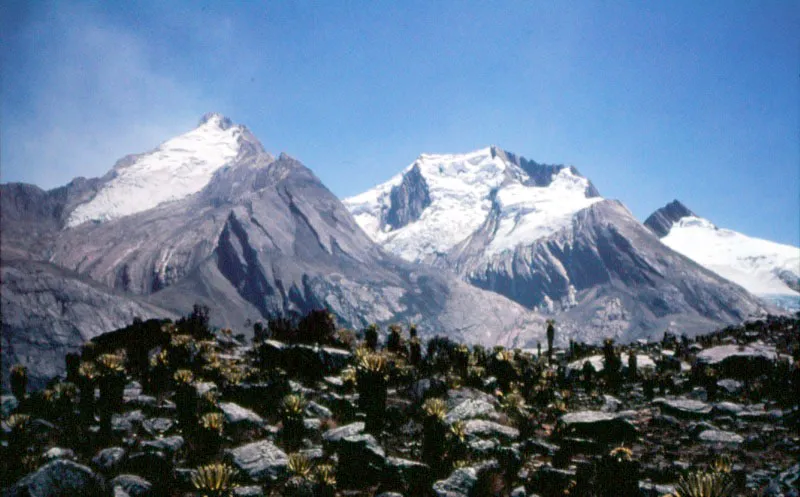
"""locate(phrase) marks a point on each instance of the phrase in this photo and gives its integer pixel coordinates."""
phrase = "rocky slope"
(288, 419)
(766, 269)
(542, 236)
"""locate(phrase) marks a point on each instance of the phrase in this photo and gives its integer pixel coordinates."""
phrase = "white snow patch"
(529, 213)
(752, 263)
(460, 188)
(178, 168)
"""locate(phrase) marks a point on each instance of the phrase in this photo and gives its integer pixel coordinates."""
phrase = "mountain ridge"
(767, 269)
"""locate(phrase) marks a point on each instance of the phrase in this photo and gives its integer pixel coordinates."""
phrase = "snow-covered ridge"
(176, 169)
(463, 189)
(760, 266)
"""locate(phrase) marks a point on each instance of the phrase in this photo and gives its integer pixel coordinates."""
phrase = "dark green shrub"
(292, 411)
(371, 337)
(372, 384)
(394, 343)
(19, 381)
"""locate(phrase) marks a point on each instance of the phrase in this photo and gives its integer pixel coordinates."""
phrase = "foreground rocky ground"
(175, 409)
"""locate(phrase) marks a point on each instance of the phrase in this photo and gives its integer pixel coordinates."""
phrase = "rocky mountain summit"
(211, 218)
(163, 408)
(543, 236)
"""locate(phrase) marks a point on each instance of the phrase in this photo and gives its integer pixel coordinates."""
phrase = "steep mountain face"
(661, 221)
(767, 269)
(48, 312)
(262, 236)
(542, 236)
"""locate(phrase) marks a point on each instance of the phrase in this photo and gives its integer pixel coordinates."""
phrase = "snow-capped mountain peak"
(441, 199)
(767, 269)
(174, 170)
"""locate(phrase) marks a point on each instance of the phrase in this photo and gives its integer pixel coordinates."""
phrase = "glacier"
(176, 169)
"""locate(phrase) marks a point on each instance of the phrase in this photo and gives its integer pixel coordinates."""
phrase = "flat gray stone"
(157, 426)
(597, 425)
(685, 408)
(318, 411)
(59, 478)
(470, 409)
(719, 436)
(489, 429)
(58, 453)
(133, 485)
(260, 461)
(238, 415)
(169, 444)
(336, 434)
(108, 459)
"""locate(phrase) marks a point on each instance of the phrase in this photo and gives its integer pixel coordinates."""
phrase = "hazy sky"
(651, 100)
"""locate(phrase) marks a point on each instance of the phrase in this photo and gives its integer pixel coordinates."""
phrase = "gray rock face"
(238, 415)
(408, 199)
(597, 425)
(264, 237)
(261, 461)
(133, 485)
(684, 408)
(107, 460)
(661, 221)
(470, 409)
(462, 481)
(739, 361)
(60, 478)
(334, 435)
(604, 275)
(49, 311)
(167, 444)
(479, 428)
(459, 484)
(720, 437)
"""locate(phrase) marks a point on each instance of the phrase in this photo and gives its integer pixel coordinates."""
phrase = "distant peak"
(677, 208)
(662, 220)
(217, 119)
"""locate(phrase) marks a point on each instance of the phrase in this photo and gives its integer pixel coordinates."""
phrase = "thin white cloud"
(95, 94)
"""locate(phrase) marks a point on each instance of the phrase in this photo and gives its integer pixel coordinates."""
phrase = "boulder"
(248, 491)
(684, 408)
(730, 385)
(597, 425)
(318, 411)
(169, 445)
(471, 409)
(126, 422)
(459, 484)
(721, 437)
(59, 478)
(478, 428)
(58, 453)
(333, 436)
(462, 481)
(237, 415)
(260, 461)
(740, 361)
(157, 426)
(109, 459)
(133, 485)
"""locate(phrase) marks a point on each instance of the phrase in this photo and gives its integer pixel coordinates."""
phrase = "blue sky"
(653, 101)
